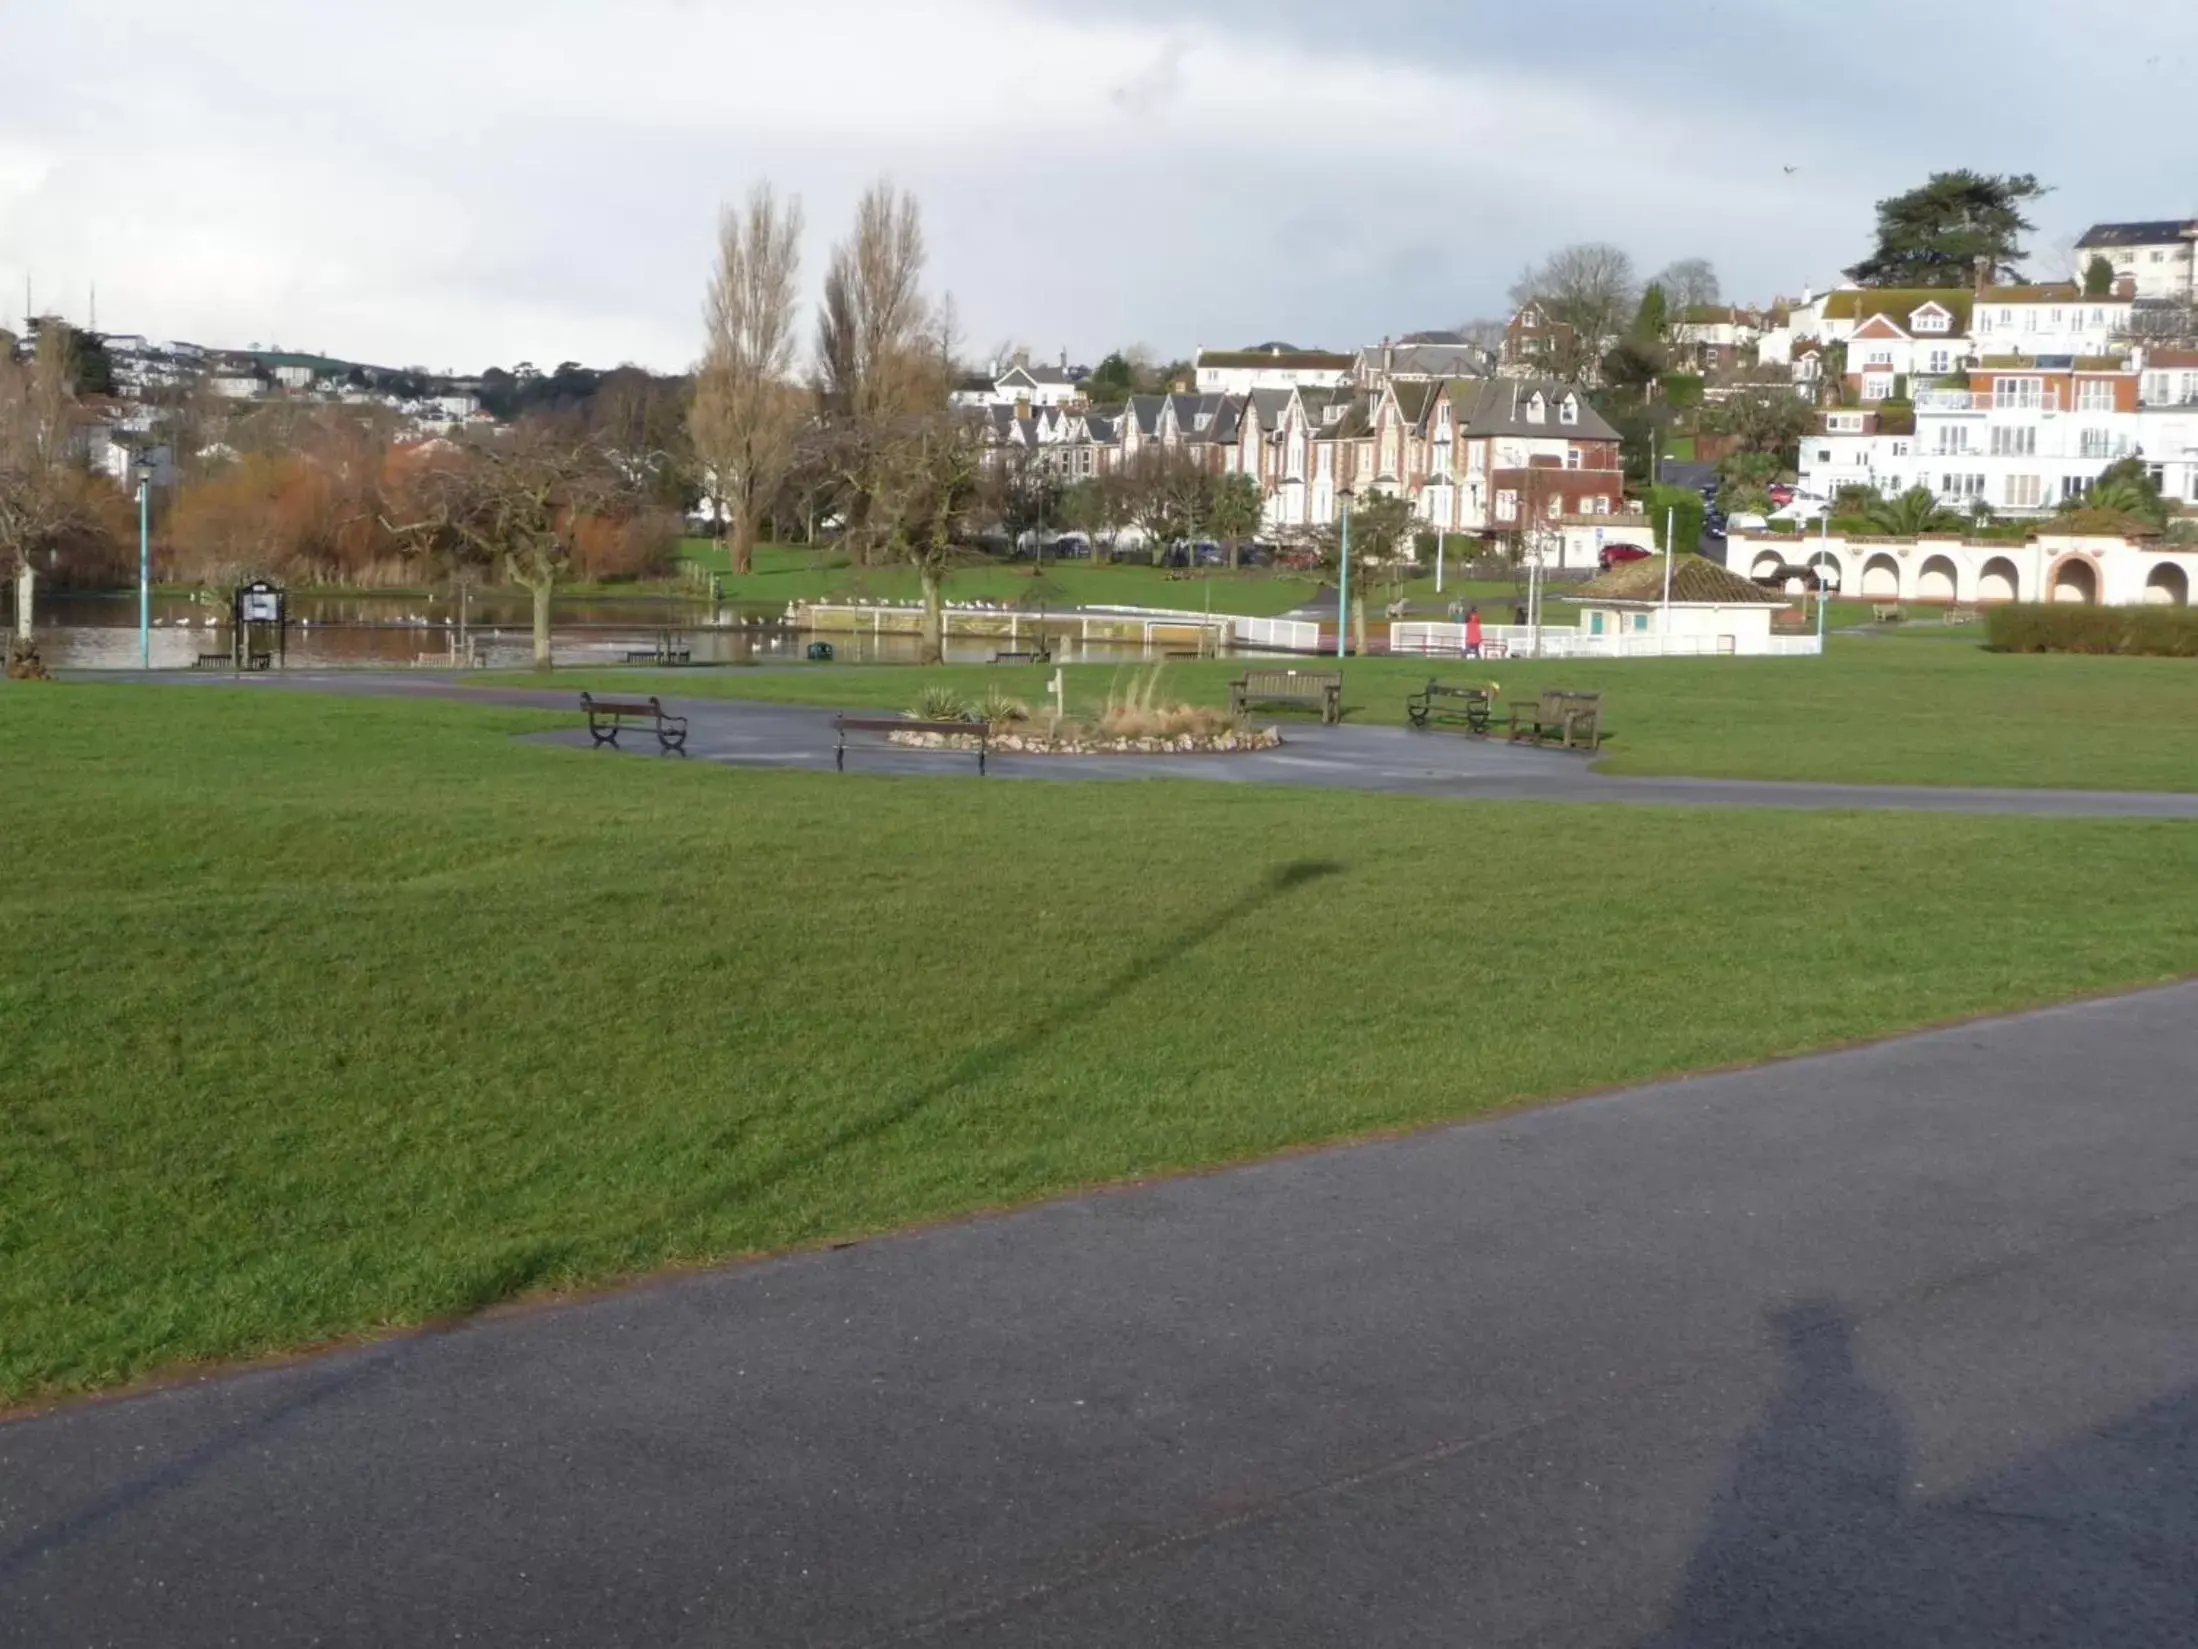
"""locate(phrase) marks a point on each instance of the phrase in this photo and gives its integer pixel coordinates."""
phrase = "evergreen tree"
(1935, 236)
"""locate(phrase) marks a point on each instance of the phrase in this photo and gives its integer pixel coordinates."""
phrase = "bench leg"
(839, 755)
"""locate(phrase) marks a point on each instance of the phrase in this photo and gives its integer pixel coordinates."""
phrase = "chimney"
(1388, 357)
(1984, 273)
(1064, 357)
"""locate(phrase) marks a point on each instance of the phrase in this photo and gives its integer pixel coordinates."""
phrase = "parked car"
(1617, 555)
(1781, 494)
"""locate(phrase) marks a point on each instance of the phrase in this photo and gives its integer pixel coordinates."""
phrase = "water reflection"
(100, 632)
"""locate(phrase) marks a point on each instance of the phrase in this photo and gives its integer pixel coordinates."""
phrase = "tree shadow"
(1816, 1538)
(982, 1062)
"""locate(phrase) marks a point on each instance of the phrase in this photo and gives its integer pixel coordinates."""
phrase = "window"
(1930, 318)
(2018, 392)
(1556, 505)
(1961, 486)
(1900, 449)
(1877, 386)
(1879, 357)
(2156, 389)
(2075, 486)
(1572, 458)
(2057, 320)
(2030, 320)
(1537, 411)
(1845, 423)
(1507, 506)
(1953, 438)
(1602, 504)
(1939, 362)
(2025, 492)
(2095, 395)
(2101, 443)
(1824, 455)
(2014, 440)
(2158, 256)
(1569, 411)
(1640, 621)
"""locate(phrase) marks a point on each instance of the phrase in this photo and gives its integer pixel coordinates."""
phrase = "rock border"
(1237, 741)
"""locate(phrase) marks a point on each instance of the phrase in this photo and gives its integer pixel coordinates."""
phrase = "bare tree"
(747, 412)
(521, 500)
(928, 503)
(42, 500)
(1691, 283)
(1591, 289)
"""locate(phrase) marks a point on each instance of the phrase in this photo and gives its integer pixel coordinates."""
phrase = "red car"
(1617, 555)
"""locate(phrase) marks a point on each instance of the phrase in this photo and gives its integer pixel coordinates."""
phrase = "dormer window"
(1930, 318)
(1537, 411)
(1568, 411)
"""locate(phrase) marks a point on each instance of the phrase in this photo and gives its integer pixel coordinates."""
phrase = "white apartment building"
(2160, 259)
(1270, 366)
(2024, 436)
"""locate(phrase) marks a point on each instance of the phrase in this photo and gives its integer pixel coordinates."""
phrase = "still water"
(99, 632)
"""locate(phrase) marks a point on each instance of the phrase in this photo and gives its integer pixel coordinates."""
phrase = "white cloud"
(458, 183)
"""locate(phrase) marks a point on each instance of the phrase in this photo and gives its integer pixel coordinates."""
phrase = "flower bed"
(1080, 741)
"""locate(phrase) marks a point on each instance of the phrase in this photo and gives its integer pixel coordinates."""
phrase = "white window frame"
(2094, 395)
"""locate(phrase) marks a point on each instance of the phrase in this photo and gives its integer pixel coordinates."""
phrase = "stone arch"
(1937, 579)
(2168, 585)
(2073, 580)
(1831, 573)
(1881, 578)
(1999, 581)
(1765, 564)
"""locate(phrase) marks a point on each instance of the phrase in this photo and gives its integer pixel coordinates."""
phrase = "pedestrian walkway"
(1891, 1346)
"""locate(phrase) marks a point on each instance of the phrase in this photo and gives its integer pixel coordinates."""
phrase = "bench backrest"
(1557, 701)
(1443, 689)
(614, 707)
(1291, 681)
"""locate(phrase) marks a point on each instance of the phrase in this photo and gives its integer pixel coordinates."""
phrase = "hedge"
(2027, 627)
(1688, 508)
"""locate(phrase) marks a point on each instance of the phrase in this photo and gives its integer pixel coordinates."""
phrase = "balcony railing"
(1963, 400)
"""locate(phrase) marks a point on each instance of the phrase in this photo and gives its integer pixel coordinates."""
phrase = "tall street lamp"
(1343, 583)
(143, 466)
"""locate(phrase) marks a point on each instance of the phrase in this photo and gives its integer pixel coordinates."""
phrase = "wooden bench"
(1961, 615)
(1442, 701)
(1310, 687)
(608, 717)
(1885, 612)
(1033, 655)
(844, 725)
(1575, 720)
(214, 661)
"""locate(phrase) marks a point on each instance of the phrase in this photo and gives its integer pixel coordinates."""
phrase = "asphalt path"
(1892, 1346)
(1392, 760)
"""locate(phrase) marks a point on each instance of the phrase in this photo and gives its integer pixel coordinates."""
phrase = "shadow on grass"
(982, 1062)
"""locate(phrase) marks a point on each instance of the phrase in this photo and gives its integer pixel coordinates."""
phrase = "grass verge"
(318, 1015)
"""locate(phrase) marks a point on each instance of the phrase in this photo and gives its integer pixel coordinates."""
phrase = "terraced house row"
(1520, 459)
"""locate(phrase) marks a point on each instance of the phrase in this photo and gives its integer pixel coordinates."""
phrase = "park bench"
(1885, 612)
(1027, 655)
(1961, 615)
(1321, 688)
(669, 649)
(214, 661)
(1445, 701)
(1575, 720)
(844, 725)
(607, 718)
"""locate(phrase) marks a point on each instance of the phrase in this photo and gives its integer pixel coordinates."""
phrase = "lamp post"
(1343, 583)
(144, 470)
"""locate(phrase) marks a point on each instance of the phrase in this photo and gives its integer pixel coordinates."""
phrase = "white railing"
(1152, 625)
(1521, 641)
(1963, 400)
(1283, 634)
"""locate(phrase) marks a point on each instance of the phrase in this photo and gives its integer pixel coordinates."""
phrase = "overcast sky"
(460, 183)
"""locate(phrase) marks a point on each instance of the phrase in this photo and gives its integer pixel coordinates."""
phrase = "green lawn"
(1872, 710)
(786, 573)
(321, 1015)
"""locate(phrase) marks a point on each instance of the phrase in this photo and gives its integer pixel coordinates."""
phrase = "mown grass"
(319, 1015)
(1869, 711)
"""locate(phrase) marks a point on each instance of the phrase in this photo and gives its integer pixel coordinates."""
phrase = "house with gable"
(2159, 259)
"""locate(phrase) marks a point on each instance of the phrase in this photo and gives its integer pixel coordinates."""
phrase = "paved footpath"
(1896, 1346)
(1392, 760)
